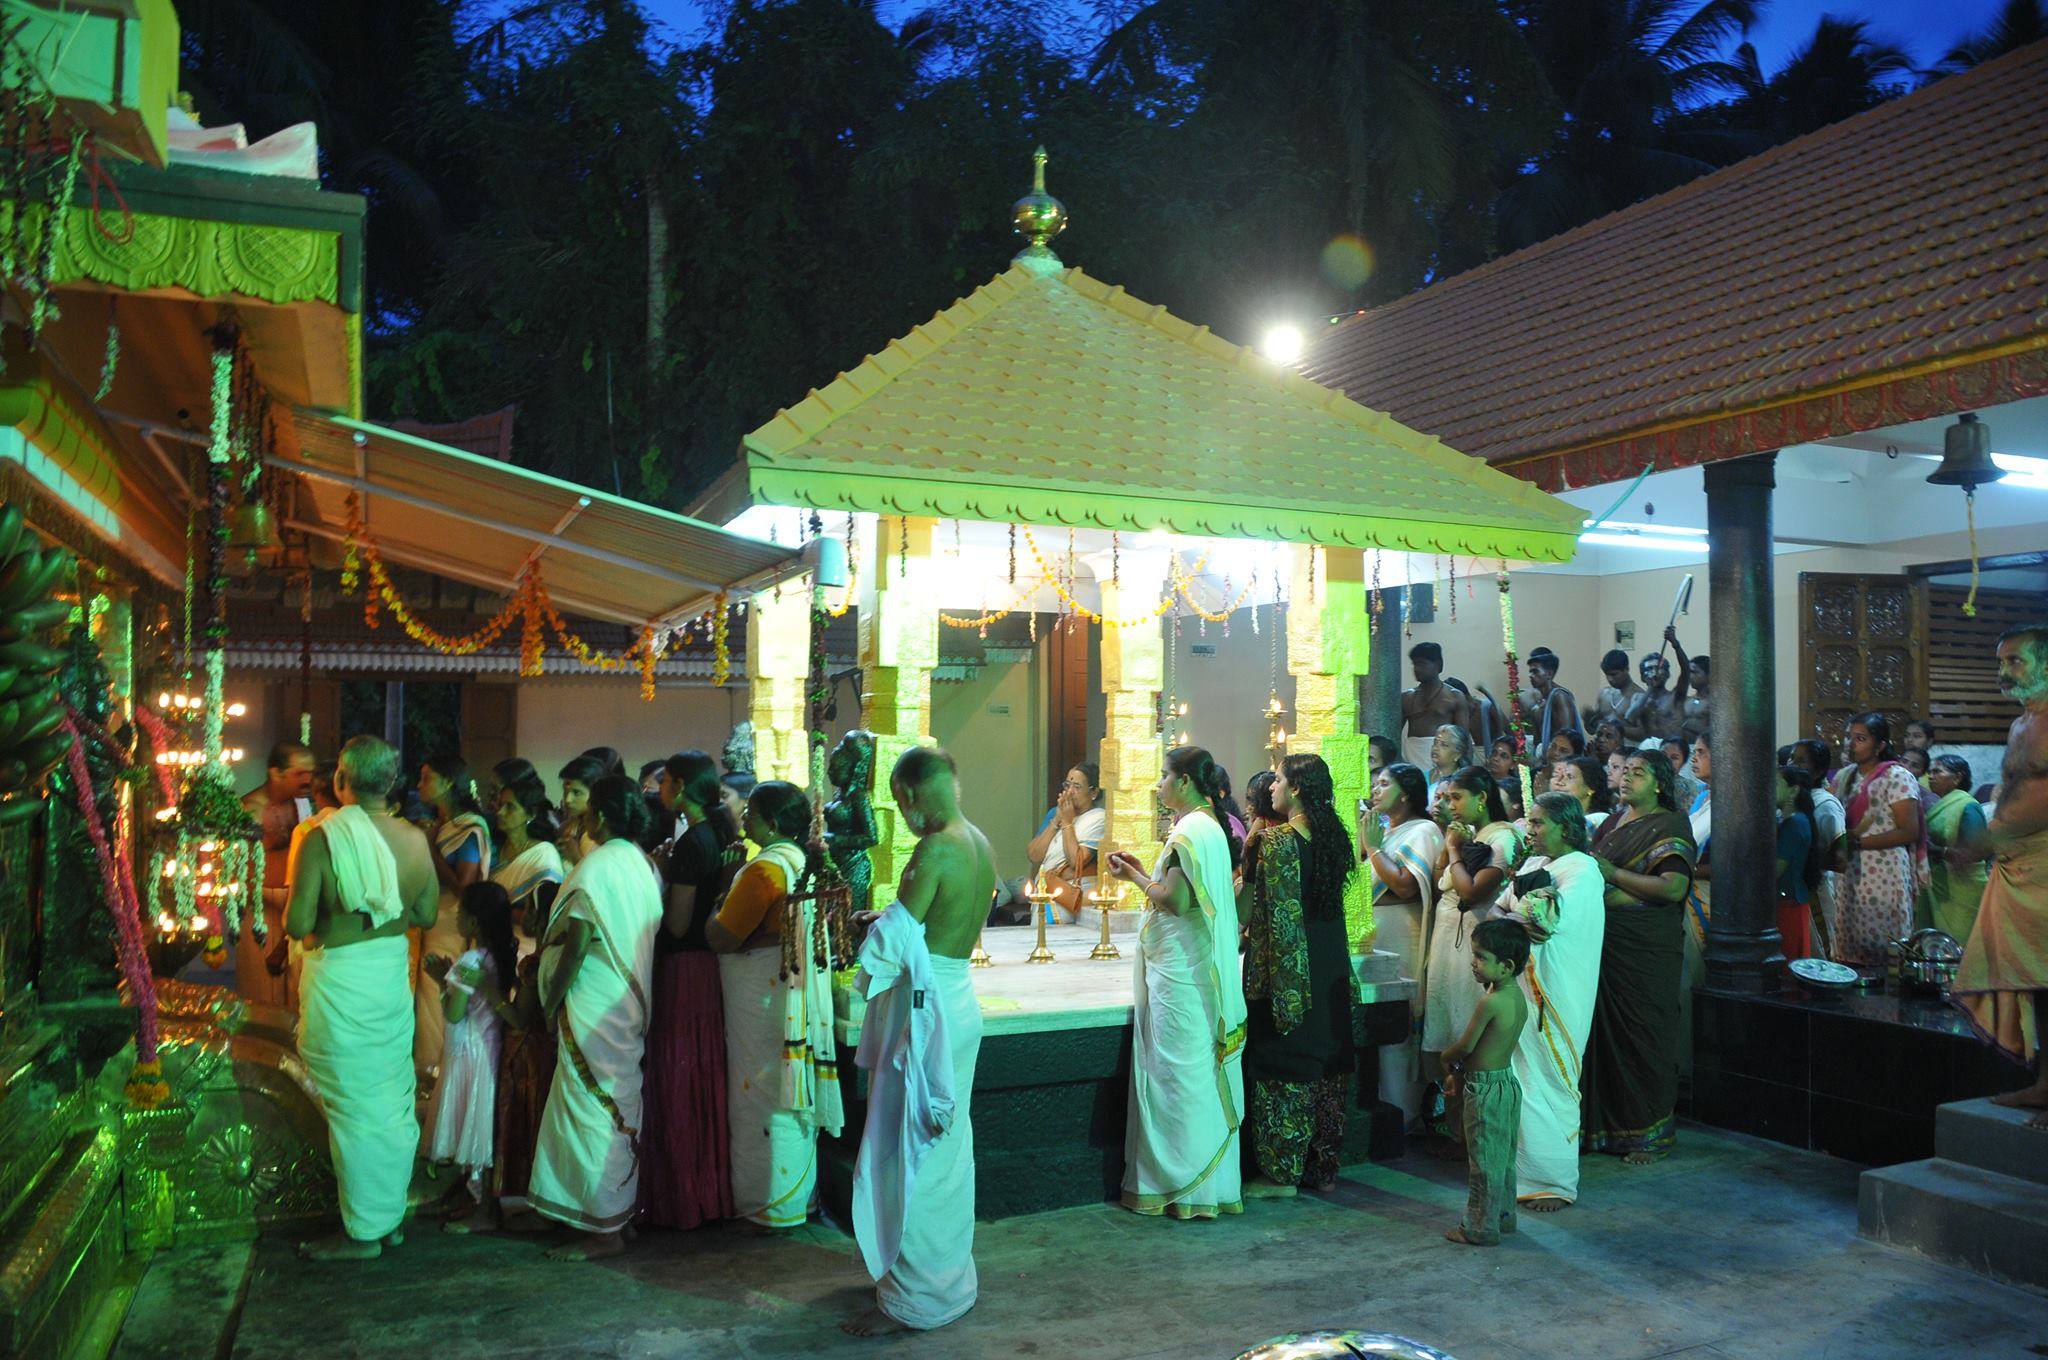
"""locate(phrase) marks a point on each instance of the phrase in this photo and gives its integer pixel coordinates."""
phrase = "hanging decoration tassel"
(1013, 554)
(902, 547)
(1452, 591)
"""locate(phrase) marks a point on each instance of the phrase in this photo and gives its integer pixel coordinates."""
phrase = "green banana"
(20, 810)
(10, 529)
(24, 684)
(40, 754)
(16, 575)
(13, 718)
(31, 656)
(40, 725)
(13, 774)
(55, 563)
(35, 617)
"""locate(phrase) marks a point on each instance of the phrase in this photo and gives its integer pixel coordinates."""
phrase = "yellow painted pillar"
(778, 667)
(1327, 649)
(899, 648)
(1133, 672)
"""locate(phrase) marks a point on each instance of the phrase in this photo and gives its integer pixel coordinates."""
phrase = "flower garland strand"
(721, 649)
(145, 1085)
(1515, 723)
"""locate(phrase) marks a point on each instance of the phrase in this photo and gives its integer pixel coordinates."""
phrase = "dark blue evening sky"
(1925, 28)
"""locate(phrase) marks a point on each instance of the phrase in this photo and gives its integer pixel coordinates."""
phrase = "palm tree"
(1623, 71)
(1297, 121)
(2019, 23)
(1838, 72)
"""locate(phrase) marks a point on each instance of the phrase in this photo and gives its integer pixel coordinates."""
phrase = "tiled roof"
(1911, 235)
(1052, 398)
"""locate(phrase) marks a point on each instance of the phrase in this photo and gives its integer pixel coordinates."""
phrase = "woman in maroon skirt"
(685, 1170)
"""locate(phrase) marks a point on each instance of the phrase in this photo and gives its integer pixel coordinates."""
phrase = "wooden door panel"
(1862, 649)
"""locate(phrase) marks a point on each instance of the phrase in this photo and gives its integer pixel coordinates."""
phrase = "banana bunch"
(32, 739)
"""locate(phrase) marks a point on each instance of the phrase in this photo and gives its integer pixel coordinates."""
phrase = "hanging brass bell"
(1966, 455)
(250, 527)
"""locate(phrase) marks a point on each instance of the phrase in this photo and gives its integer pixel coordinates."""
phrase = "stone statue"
(850, 830)
(738, 755)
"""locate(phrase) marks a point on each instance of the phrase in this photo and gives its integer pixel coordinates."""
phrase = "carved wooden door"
(1862, 648)
(490, 726)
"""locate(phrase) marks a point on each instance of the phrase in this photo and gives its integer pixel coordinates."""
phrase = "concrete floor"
(1732, 1248)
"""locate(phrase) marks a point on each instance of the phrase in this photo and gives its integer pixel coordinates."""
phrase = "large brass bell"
(1966, 455)
(252, 533)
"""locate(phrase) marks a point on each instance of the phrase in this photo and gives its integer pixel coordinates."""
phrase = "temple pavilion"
(1133, 454)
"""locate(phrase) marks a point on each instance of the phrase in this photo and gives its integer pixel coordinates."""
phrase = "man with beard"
(2004, 972)
(1658, 711)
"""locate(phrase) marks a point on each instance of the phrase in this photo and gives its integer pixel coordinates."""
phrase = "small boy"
(1480, 1063)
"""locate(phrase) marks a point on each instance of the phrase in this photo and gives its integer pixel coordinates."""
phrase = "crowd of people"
(613, 1006)
(1609, 870)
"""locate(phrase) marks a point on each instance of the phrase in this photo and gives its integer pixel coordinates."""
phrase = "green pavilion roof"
(1049, 397)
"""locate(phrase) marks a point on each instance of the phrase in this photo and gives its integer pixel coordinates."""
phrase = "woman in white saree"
(1559, 895)
(1187, 1042)
(596, 975)
(1404, 847)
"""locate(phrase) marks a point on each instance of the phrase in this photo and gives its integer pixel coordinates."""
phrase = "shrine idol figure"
(850, 830)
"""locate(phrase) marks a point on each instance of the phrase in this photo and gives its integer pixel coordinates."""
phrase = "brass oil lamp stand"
(1105, 895)
(1040, 899)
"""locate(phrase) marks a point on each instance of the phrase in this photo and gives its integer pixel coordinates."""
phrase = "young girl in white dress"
(462, 1118)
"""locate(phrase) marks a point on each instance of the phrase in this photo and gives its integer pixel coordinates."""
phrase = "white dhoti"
(355, 1035)
(774, 1148)
(933, 1280)
(586, 1163)
(1417, 751)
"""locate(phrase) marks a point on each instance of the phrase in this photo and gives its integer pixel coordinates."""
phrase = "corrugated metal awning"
(480, 520)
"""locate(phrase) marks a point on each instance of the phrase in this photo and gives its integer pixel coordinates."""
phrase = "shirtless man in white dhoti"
(947, 887)
(359, 879)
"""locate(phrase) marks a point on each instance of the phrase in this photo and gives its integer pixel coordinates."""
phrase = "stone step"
(186, 1304)
(1962, 1215)
(1980, 1134)
(1381, 965)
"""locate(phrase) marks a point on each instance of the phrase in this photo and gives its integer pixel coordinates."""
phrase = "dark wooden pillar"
(1743, 949)
(1379, 703)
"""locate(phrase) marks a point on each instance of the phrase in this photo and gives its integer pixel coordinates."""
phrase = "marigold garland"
(1067, 596)
(721, 650)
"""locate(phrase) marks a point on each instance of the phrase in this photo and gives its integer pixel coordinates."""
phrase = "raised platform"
(1052, 1084)
(1856, 1074)
(1077, 992)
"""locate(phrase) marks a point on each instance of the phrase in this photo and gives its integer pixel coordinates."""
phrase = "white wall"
(994, 725)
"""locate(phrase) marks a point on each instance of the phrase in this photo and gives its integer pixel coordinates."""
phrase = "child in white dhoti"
(913, 1189)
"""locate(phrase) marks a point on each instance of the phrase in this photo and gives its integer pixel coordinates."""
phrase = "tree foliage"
(649, 248)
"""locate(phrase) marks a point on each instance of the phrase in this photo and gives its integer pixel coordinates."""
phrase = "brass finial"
(1038, 217)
